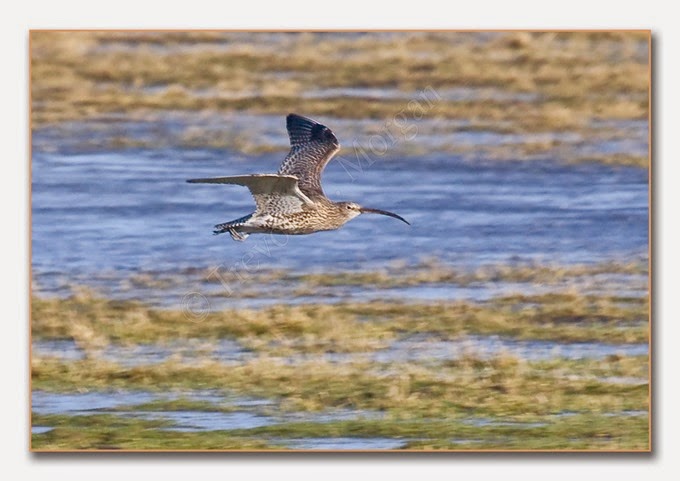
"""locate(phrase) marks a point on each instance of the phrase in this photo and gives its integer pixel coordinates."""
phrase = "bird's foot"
(238, 236)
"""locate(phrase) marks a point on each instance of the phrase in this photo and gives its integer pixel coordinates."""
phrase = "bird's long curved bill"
(366, 210)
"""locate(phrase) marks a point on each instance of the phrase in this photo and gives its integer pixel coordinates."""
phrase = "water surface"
(116, 213)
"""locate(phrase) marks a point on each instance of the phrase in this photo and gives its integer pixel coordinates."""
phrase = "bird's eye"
(349, 206)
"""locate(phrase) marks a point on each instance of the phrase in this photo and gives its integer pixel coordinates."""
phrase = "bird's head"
(352, 210)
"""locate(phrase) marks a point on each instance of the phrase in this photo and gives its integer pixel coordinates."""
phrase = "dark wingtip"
(293, 117)
(303, 129)
(293, 120)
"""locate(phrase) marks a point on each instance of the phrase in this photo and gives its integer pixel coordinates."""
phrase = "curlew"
(292, 201)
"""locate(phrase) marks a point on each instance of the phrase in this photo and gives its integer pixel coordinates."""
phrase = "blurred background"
(513, 313)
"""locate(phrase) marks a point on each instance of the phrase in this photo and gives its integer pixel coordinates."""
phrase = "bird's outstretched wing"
(312, 145)
(273, 193)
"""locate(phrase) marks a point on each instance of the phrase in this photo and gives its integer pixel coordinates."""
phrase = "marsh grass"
(429, 398)
(603, 279)
(575, 78)
(112, 432)
(583, 431)
(501, 402)
(346, 327)
(497, 386)
(433, 271)
(614, 159)
(318, 357)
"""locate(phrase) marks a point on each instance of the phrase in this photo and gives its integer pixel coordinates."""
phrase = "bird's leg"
(237, 236)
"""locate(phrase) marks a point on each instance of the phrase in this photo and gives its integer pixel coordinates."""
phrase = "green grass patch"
(578, 432)
(111, 432)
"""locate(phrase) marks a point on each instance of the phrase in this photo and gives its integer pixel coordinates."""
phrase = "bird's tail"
(234, 228)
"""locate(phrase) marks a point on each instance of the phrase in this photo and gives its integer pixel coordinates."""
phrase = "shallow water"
(41, 429)
(345, 443)
(91, 402)
(479, 422)
(207, 421)
(120, 212)
(419, 348)
(225, 351)
(249, 413)
(43, 402)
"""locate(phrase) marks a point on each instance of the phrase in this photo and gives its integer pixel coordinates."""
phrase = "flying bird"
(292, 201)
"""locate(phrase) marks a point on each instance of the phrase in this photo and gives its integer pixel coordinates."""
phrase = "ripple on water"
(126, 211)
(419, 348)
(226, 351)
(44, 402)
(482, 422)
(192, 421)
(345, 443)
(248, 413)
(41, 429)
(92, 402)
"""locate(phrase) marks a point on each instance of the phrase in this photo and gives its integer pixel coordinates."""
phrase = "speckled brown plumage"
(292, 201)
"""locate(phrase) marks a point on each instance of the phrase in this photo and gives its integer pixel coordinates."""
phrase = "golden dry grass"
(502, 385)
(346, 327)
(576, 76)
(432, 270)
